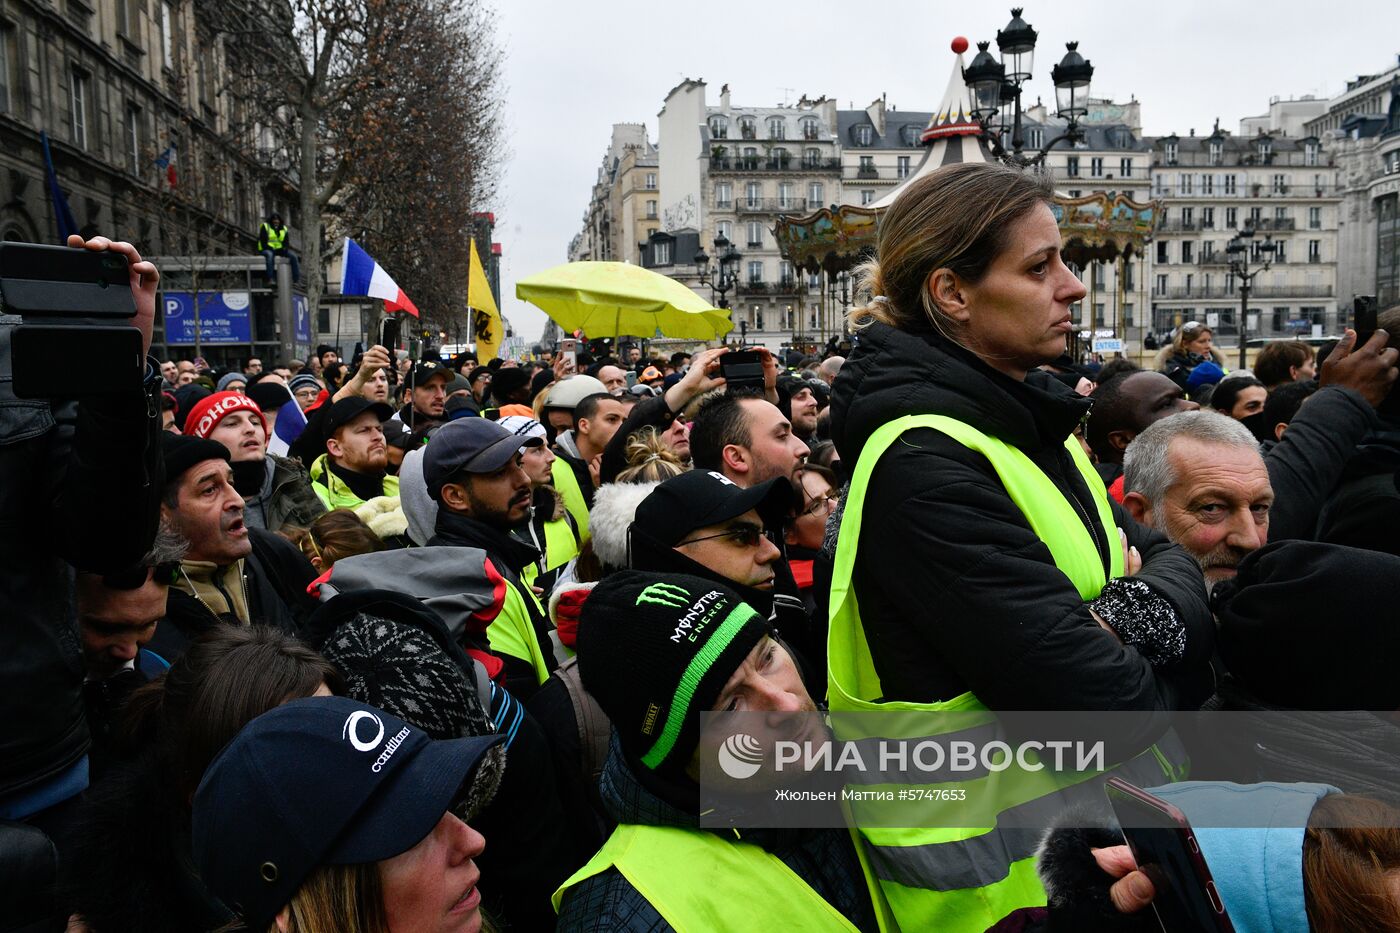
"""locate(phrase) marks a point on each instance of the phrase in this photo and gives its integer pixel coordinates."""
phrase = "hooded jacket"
(957, 593)
(566, 449)
(285, 497)
(508, 555)
(823, 858)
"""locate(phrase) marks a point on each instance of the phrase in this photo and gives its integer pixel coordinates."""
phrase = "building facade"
(1362, 127)
(764, 162)
(624, 205)
(117, 84)
(1284, 189)
(880, 148)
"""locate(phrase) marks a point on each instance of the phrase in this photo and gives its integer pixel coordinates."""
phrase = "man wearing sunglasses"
(702, 523)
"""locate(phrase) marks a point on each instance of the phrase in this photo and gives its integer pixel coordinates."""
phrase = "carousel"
(1098, 228)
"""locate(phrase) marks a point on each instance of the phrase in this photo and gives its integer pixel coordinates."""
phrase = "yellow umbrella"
(609, 299)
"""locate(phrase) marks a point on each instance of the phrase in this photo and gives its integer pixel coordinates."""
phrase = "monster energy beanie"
(655, 650)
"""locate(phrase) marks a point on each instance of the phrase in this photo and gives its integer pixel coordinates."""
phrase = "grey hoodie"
(418, 507)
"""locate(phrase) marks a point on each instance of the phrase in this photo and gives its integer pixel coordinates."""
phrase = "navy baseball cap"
(698, 498)
(477, 445)
(319, 781)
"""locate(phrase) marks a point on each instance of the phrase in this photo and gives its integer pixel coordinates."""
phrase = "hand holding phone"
(1165, 848)
(1363, 319)
(742, 370)
(568, 348)
(389, 333)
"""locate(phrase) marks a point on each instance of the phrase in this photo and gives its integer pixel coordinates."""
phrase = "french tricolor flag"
(288, 427)
(361, 275)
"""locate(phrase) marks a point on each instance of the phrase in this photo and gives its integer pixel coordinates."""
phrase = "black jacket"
(509, 555)
(823, 858)
(131, 867)
(79, 483)
(649, 412)
(957, 593)
(1364, 509)
(1306, 466)
(277, 575)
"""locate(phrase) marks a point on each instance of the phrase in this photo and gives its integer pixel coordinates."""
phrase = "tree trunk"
(309, 190)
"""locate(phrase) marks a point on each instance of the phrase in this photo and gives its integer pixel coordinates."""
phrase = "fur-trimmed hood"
(614, 508)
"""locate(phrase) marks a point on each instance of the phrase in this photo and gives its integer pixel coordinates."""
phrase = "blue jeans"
(271, 254)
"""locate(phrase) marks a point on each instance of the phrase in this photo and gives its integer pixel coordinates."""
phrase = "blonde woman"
(326, 815)
(976, 543)
(1192, 346)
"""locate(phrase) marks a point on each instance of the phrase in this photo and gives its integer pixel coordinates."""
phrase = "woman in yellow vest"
(976, 540)
(660, 870)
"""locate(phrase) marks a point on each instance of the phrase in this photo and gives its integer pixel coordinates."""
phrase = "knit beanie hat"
(186, 397)
(1204, 374)
(228, 379)
(181, 451)
(507, 381)
(524, 426)
(302, 381)
(655, 651)
(205, 416)
(400, 669)
(270, 396)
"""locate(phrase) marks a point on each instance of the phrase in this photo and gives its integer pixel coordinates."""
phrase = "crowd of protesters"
(392, 644)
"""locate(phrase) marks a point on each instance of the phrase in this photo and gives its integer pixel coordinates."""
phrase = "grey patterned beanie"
(402, 670)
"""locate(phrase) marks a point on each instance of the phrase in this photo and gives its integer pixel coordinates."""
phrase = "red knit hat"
(206, 415)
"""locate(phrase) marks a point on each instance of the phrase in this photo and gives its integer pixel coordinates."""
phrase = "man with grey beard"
(1198, 478)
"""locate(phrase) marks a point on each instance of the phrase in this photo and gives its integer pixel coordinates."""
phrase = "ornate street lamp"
(723, 277)
(1238, 252)
(994, 91)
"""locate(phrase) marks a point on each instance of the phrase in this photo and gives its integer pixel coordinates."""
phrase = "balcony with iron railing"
(787, 286)
(767, 164)
(771, 205)
(1221, 292)
(1247, 191)
(1271, 224)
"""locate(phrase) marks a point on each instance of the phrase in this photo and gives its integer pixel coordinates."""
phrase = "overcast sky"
(575, 67)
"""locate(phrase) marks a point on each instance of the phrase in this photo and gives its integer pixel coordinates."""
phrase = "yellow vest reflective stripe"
(276, 239)
(968, 878)
(566, 484)
(699, 882)
(512, 632)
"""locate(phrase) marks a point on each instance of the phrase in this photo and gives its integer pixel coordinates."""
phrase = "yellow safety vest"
(333, 491)
(561, 545)
(967, 878)
(512, 632)
(276, 239)
(701, 883)
(566, 484)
